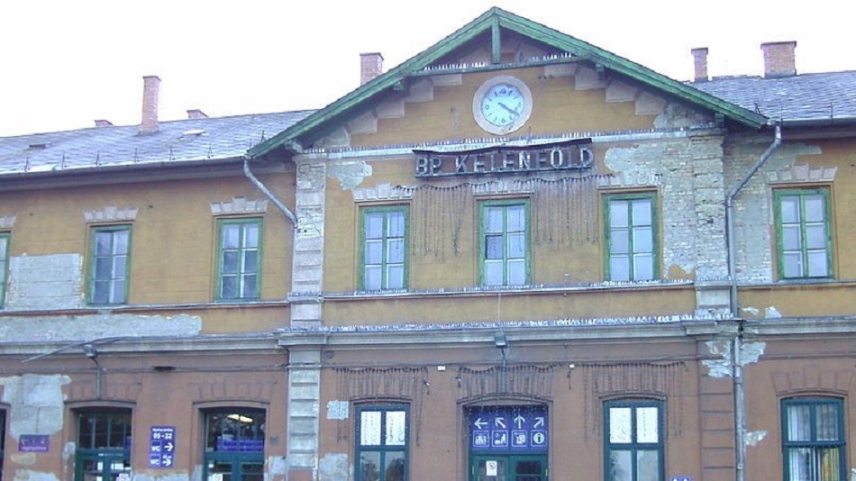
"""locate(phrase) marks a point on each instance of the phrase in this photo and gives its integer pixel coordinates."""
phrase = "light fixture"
(89, 351)
(499, 340)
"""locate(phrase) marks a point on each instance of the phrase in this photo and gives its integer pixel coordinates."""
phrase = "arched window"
(103, 445)
(234, 444)
(813, 439)
(382, 442)
(633, 440)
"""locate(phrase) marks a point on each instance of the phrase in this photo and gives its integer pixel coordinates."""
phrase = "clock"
(502, 105)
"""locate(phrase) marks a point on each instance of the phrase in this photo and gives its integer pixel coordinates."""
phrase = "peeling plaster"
(36, 403)
(632, 159)
(276, 468)
(677, 115)
(750, 353)
(350, 174)
(45, 282)
(68, 451)
(23, 459)
(196, 475)
(83, 328)
(334, 467)
(178, 475)
(29, 475)
(752, 438)
(772, 313)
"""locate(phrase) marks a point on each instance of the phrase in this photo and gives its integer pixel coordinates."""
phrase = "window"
(103, 444)
(804, 241)
(504, 240)
(4, 267)
(238, 259)
(384, 252)
(634, 440)
(108, 271)
(382, 439)
(813, 439)
(234, 444)
(630, 237)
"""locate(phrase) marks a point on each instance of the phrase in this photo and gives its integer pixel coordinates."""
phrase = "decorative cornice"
(111, 214)
(239, 205)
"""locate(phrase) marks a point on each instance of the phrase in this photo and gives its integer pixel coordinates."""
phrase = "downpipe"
(263, 188)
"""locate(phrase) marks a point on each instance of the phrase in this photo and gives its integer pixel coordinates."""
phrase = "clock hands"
(509, 109)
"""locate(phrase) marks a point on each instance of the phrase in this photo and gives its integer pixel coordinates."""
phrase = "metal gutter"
(278, 203)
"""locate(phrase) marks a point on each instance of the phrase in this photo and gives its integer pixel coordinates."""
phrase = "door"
(509, 468)
(103, 466)
(234, 467)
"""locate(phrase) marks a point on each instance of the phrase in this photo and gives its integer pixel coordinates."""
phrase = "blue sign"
(516, 429)
(680, 478)
(162, 447)
(34, 443)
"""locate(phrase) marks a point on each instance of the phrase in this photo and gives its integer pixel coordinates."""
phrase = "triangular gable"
(490, 23)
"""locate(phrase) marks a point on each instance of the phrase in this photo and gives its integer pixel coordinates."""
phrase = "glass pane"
(102, 243)
(827, 422)
(369, 466)
(396, 428)
(528, 470)
(791, 238)
(493, 247)
(101, 292)
(395, 251)
(647, 425)
(4, 242)
(516, 246)
(393, 469)
(92, 470)
(230, 262)
(619, 467)
(516, 272)
(374, 226)
(619, 268)
(118, 294)
(643, 239)
(370, 428)
(103, 268)
(799, 464)
(395, 224)
(120, 242)
(792, 264)
(829, 464)
(516, 218)
(647, 466)
(374, 252)
(790, 209)
(817, 265)
(643, 267)
(619, 241)
(493, 273)
(250, 282)
(494, 220)
(395, 277)
(372, 279)
(251, 236)
(230, 236)
(815, 236)
(799, 423)
(252, 472)
(492, 469)
(619, 425)
(251, 261)
(642, 212)
(618, 213)
(219, 471)
(814, 208)
(119, 267)
(230, 287)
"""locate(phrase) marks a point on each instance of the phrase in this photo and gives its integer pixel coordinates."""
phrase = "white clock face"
(502, 104)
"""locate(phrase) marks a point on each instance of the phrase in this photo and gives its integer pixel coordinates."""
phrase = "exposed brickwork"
(779, 59)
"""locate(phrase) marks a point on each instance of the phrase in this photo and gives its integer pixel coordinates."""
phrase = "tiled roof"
(805, 97)
(175, 141)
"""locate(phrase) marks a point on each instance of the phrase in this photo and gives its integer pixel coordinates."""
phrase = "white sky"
(67, 63)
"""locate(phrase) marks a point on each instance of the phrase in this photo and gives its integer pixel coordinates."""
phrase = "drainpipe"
(737, 347)
(285, 210)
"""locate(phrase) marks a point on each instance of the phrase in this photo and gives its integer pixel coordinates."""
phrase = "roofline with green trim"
(343, 106)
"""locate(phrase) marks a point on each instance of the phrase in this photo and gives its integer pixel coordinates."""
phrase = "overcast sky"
(67, 63)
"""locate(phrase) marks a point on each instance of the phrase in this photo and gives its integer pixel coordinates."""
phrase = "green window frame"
(631, 237)
(382, 442)
(504, 243)
(633, 440)
(804, 239)
(4, 266)
(234, 444)
(109, 269)
(239, 252)
(103, 444)
(813, 439)
(384, 248)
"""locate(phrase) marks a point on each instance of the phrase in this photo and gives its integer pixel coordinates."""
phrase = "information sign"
(162, 447)
(517, 429)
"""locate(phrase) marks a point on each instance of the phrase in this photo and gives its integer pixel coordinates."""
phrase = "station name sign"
(505, 159)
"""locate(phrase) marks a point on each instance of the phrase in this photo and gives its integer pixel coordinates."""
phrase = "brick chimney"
(779, 59)
(700, 64)
(194, 114)
(371, 65)
(151, 88)
(103, 123)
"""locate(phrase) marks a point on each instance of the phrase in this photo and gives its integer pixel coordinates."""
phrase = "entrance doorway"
(508, 443)
(234, 446)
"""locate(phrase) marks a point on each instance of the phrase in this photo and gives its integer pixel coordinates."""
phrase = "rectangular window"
(4, 266)
(384, 250)
(813, 439)
(804, 241)
(631, 234)
(239, 259)
(504, 243)
(634, 440)
(382, 443)
(108, 271)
